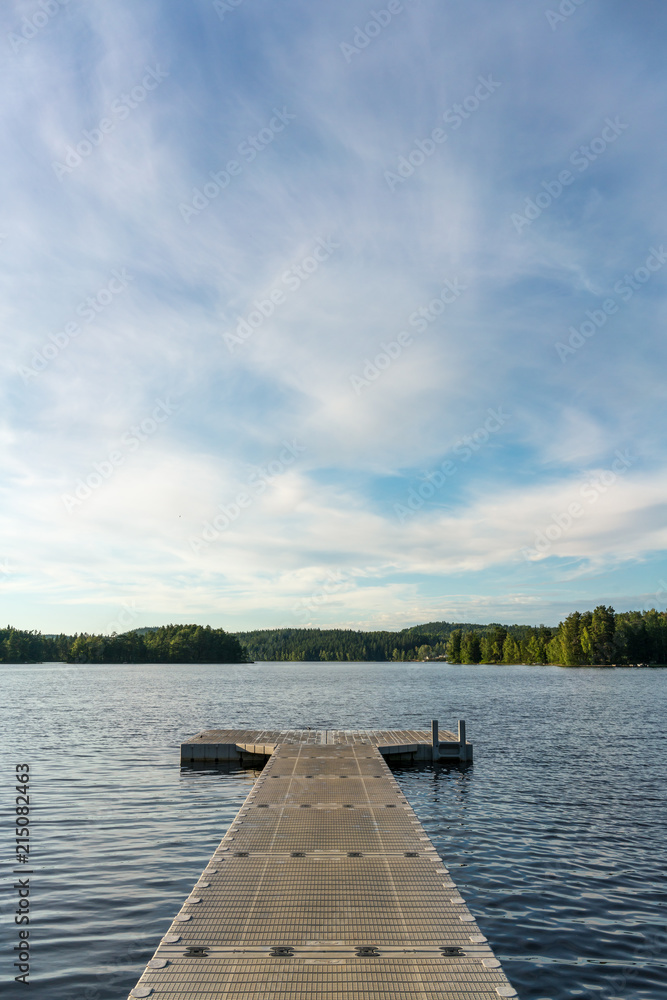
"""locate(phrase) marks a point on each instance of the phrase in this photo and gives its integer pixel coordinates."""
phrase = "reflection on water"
(555, 836)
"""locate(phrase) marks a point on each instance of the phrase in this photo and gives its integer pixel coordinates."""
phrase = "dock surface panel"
(325, 887)
(410, 744)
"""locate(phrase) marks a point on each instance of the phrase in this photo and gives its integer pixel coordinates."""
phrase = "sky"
(323, 314)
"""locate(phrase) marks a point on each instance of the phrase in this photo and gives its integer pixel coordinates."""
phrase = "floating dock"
(242, 746)
(325, 886)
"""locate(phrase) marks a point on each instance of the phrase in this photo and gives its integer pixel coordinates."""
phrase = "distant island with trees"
(599, 638)
(166, 644)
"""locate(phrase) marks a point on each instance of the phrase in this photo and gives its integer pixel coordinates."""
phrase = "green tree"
(532, 651)
(587, 646)
(569, 634)
(511, 651)
(487, 649)
(454, 646)
(655, 624)
(555, 650)
(498, 637)
(603, 627)
(471, 650)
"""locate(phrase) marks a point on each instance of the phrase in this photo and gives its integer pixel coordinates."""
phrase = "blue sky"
(331, 314)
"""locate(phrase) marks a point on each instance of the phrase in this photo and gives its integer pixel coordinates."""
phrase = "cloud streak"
(263, 105)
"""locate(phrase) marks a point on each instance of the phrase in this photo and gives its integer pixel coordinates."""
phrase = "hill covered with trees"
(596, 637)
(167, 644)
(416, 643)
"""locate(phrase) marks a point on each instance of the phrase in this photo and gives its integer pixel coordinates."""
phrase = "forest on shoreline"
(166, 644)
(601, 637)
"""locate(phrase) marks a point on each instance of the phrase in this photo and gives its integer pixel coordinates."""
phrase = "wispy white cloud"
(322, 178)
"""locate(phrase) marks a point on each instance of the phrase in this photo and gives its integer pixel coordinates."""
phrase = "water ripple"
(555, 837)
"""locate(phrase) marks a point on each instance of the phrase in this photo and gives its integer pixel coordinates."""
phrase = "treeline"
(167, 644)
(499, 644)
(602, 636)
(597, 637)
(17, 646)
(420, 642)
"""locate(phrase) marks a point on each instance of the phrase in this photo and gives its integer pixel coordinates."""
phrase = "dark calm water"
(557, 836)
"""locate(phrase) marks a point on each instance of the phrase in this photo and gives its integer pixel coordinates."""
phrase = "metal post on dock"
(435, 740)
(462, 740)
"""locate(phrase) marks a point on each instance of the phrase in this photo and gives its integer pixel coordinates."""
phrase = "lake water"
(556, 836)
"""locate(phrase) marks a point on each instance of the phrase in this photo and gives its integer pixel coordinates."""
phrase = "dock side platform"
(417, 746)
(325, 887)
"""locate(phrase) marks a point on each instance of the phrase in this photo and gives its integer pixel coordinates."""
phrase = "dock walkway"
(400, 745)
(325, 887)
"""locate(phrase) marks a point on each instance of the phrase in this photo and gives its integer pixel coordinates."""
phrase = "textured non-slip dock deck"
(417, 745)
(325, 887)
